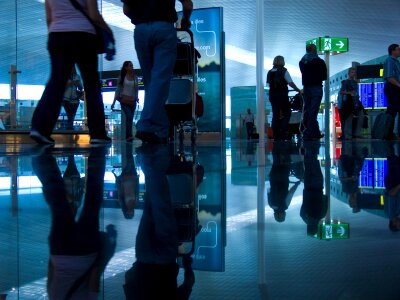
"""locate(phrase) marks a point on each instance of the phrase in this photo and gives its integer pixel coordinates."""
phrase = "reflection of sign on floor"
(336, 231)
(208, 237)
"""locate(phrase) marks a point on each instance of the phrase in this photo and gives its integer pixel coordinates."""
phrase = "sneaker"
(104, 140)
(41, 139)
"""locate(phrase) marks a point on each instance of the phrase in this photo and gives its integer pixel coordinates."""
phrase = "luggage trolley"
(184, 175)
(296, 126)
(181, 102)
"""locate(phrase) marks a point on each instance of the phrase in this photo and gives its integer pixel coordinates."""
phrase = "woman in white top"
(127, 94)
(72, 39)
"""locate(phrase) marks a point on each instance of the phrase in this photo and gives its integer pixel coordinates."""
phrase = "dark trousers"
(68, 237)
(66, 49)
(249, 129)
(312, 102)
(280, 115)
(129, 112)
(392, 94)
(70, 108)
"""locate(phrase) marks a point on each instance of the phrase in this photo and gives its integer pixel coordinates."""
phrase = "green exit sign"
(336, 231)
(330, 44)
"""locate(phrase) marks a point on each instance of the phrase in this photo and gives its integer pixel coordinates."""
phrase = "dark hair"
(123, 72)
(392, 47)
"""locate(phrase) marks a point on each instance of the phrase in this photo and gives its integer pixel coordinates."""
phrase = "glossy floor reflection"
(235, 220)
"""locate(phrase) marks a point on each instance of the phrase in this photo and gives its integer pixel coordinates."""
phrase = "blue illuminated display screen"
(366, 94)
(380, 169)
(366, 178)
(373, 173)
(379, 95)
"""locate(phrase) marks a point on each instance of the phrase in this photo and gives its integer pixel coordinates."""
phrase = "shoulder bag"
(105, 40)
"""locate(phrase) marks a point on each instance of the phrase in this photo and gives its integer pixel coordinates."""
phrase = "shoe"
(98, 141)
(150, 137)
(41, 139)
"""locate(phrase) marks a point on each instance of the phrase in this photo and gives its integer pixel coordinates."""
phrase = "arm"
(393, 81)
(187, 6)
(95, 15)
(293, 86)
(48, 13)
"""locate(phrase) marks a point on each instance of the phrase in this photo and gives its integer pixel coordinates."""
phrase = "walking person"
(391, 74)
(350, 107)
(249, 122)
(73, 93)
(278, 79)
(68, 27)
(314, 72)
(127, 94)
(155, 43)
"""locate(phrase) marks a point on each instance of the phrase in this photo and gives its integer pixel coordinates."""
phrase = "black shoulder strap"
(80, 8)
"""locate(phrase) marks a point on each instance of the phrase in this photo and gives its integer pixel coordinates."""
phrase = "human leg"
(155, 44)
(48, 109)
(87, 61)
(312, 102)
(129, 112)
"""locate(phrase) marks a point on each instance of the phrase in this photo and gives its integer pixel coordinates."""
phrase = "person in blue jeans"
(155, 43)
(314, 72)
(127, 89)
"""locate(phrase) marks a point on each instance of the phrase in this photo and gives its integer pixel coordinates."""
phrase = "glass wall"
(24, 62)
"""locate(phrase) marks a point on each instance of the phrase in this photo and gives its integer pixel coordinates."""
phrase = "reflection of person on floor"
(392, 185)
(280, 196)
(249, 122)
(72, 96)
(154, 273)
(350, 165)
(250, 152)
(74, 184)
(79, 252)
(315, 204)
(128, 184)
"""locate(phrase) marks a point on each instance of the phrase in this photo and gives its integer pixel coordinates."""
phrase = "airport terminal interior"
(212, 214)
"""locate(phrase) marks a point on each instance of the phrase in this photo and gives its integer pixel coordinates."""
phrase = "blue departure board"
(366, 178)
(365, 91)
(379, 96)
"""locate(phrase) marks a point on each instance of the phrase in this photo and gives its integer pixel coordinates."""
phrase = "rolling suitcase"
(382, 126)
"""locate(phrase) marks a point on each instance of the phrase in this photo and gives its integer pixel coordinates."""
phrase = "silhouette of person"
(155, 43)
(315, 204)
(127, 94)
(154, 273)
(128, 184)
(392, 185)
(280, 196)
(79, 252)
(72, 96)
(350, 165)
(74, 184)
(72, 40)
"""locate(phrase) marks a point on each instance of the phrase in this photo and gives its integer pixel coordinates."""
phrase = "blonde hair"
(279, 61)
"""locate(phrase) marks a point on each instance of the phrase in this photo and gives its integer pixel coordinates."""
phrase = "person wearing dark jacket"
(314, 72)
(278, 79)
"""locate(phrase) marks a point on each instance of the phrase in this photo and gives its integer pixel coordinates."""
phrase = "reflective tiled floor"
(234, 220)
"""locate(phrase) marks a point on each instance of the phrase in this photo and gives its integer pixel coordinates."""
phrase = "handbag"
(127, 100)
(105, 40)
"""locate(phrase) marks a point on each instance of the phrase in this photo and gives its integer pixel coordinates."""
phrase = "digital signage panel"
(379, 96)
(366, 178)
(380, 170)
(365, 91)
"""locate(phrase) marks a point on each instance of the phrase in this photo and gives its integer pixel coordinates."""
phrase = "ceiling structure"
(370, 26)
